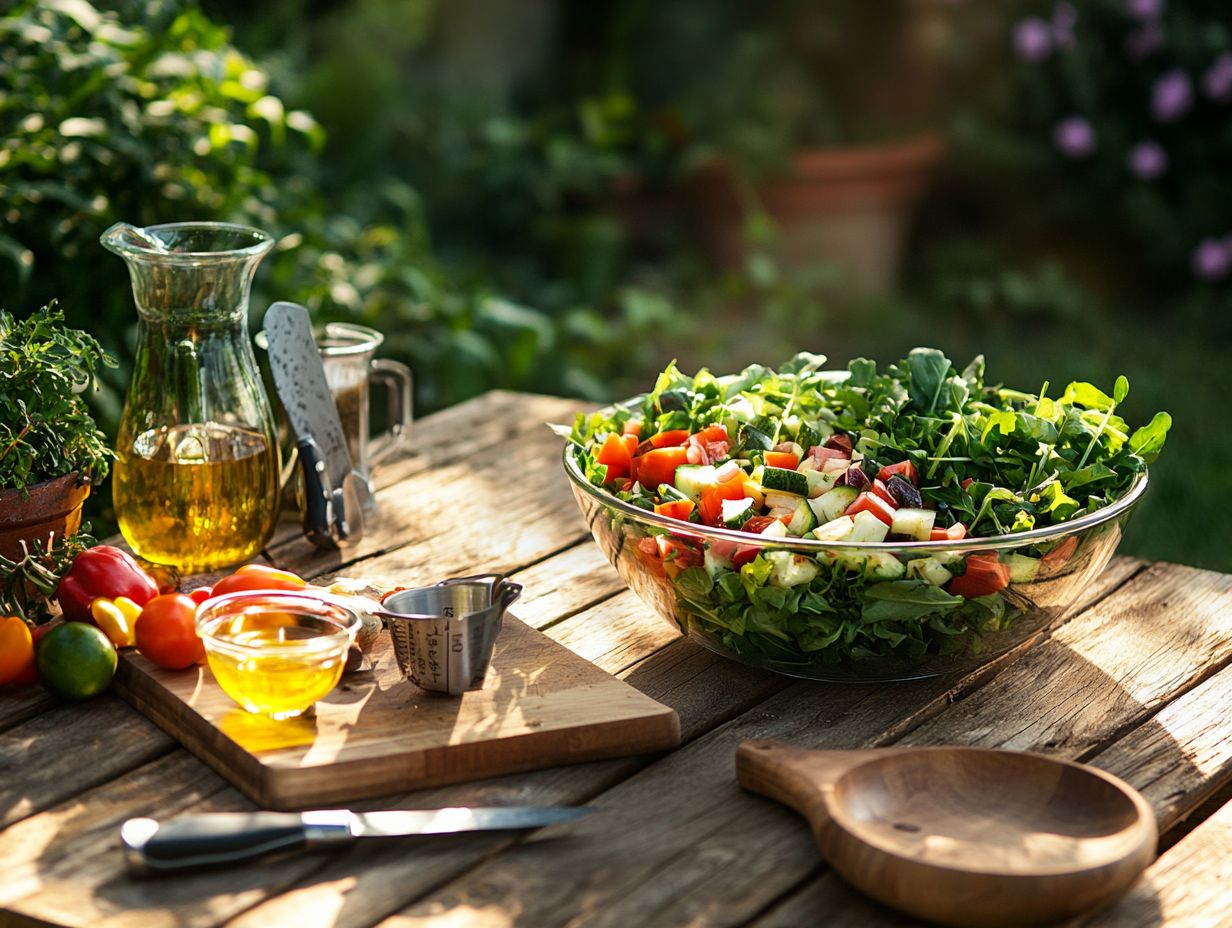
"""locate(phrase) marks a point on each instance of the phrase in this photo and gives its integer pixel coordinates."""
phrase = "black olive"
(907, 496)
(856, 478)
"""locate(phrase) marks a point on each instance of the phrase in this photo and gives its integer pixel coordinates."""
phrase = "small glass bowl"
(814, 638)
(277, 652)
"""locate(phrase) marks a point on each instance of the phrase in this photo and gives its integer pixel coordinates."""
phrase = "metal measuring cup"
(443, 634)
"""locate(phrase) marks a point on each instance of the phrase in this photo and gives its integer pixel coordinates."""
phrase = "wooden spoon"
(963, 836)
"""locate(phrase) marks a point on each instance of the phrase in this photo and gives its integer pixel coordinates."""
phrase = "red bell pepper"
(659, 466)
(955, 532)
(676, 509)
(670, 439)
(783, 459)
(615, 455)
(985, 574)
(879, 489)
(867, 502)
(714, 432)
(105, 572)
(633, 427)
(711, 506)
(904, 469)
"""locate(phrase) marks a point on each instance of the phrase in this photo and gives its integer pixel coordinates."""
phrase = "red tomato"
(678, 550)
(711, 506)
(670, 439)
(615, 454)
(258, 577)
(166, 633)
(713, 433)
(757, 524)
(659, 466)
(676, 509)
(1056, 558)
(955, 532)
(966, 483)
(783, 459)
(904, 469)
(881, 490)
(200, 594)
(985, 574)
(867, 502)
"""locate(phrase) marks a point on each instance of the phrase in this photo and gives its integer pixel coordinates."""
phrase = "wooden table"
(1137, 681)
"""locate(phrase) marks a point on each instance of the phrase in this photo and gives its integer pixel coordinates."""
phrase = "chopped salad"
(917, 452)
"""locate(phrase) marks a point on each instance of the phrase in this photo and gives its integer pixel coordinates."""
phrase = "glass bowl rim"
(984, 543)
(336, 641)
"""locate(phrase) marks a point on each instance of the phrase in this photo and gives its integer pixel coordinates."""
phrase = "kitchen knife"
(335, 493)
(223, 838)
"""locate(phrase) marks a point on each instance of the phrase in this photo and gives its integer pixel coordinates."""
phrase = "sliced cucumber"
(914, 523)
(835, 530)
(832, 504)
(777, 499)
(791, 569)
(669, 493)
(692, 479)
(802, 519)
(930, 570)
(819, 481)
(715, 562)
(884, 567)
(779, 478)
(741, 409)
(775, 529)
(1023, 569)
(737, 511)
(867, 527)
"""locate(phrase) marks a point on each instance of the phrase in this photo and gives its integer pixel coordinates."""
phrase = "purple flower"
(1217, 81)
(1172, 96)
(1145, 9)
(1148, 160)
(1064, 18)
(1145, 41)
(1032, 39)
(1211, 259)
(1074, 137)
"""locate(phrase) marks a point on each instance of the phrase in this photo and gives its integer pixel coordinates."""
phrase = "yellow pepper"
(117, 618)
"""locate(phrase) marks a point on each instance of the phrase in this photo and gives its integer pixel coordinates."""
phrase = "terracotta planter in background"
(849, 205)
(30, 515)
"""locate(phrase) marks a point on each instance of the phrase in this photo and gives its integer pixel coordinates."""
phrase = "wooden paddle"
(963, 836)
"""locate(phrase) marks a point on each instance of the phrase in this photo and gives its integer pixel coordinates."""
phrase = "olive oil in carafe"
(197, 497)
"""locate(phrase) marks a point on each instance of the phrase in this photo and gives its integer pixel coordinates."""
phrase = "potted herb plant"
(51, 451)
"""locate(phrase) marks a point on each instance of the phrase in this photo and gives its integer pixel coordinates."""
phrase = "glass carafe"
(195, 484)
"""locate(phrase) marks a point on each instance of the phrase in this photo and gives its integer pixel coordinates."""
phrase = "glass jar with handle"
(195, 483)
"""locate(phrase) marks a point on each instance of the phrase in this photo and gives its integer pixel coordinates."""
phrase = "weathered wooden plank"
(565, 584)
(715, 862)
(495, 513)
(1188, 887)
(69, 749)
(1174, 759)
(20, 703)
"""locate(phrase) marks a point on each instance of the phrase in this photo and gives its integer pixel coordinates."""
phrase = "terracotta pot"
(32, 514)
(848, 205)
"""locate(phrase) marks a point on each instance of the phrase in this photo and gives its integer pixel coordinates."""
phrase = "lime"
(76, 661)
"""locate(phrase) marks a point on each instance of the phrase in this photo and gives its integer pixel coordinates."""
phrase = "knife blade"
(223, 838)
(335, 492)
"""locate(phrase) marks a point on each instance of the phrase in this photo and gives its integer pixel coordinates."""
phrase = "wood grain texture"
(540, 706)
(963, 836)
(1188, 887)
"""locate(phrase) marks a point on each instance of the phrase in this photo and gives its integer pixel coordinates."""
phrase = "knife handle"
(223, 838)
(318, 496)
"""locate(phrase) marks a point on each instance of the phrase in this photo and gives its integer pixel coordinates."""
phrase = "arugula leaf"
(1148, 441)
(928, 369)
(905, 599)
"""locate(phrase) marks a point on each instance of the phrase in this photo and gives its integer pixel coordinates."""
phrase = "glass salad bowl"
(850, 611)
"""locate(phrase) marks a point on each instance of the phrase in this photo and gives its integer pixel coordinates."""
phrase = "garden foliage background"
(522, 194)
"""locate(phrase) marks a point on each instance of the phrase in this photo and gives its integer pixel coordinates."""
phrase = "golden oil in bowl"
(276, 653)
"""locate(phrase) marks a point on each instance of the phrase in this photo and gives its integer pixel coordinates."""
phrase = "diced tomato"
(659, 466)
(633, 427)
(882, 491)
(821, 454)
(867, 502)
(1058, 556)
(670, 439)
(711, 506)
(714, 432)
(955, 532)
(904, 469)
(677, 554)
(615, 454)
(966, 483)
(757, 524)
(985, 574)
(783, 459)
(840, 441)
(648, 554)
(630, 444)
(676, 509)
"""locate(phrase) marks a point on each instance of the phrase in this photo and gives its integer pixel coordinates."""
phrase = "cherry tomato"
(16, 649)
(258, 577)
(166, 632)
(200, 594)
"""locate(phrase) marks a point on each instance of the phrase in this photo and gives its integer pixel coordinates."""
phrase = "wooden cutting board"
(377, 734)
